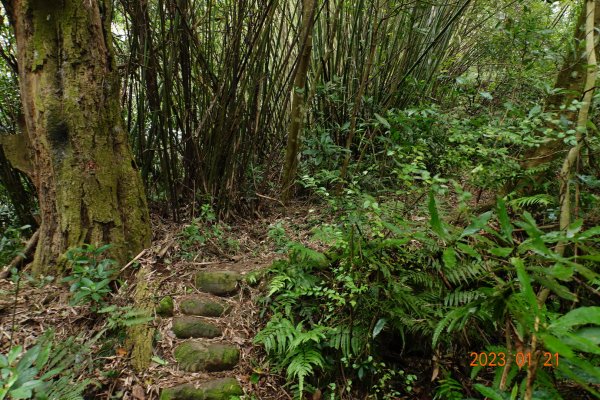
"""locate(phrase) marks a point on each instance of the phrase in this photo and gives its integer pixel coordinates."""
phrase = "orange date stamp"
(500, 359)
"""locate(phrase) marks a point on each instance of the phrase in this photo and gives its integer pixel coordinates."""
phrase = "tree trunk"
(297, 115)
(88, 187)
(568, 167)
(571, 78)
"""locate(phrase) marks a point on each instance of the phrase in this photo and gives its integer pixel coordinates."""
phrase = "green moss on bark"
(88, 188)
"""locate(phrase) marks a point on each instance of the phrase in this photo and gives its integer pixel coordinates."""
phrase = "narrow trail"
(205, 335)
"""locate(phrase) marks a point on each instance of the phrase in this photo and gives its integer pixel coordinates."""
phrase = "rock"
(220, 283)
(201, 307)
(193, 327)
(219, 389)
(194, 356)
(182, 392)
(165, 307)
(223, 389)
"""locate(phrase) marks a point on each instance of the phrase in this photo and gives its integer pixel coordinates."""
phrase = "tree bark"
(297, 114)
(89, 189)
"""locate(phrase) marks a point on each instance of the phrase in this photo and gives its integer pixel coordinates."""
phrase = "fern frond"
(460, 297)
(302, 364)
(535, 200)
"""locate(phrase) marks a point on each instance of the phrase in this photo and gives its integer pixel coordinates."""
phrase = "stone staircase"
(200, 352)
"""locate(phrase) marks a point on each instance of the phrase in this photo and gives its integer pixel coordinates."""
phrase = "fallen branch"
(23, 256)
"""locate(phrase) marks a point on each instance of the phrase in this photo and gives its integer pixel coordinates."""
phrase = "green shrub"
(48, 370)
(433, 289)
(90, 274)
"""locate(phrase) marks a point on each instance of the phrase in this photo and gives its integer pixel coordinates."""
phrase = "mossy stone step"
(220, 283)
(219, 389)
(195, 356)
(165, 307)
(201, 307)
(186, 327)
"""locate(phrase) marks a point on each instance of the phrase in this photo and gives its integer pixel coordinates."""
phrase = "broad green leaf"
(159, 360)
(529, 225)
(503, 218)
(468, 250)
(488, 392)
(578, 316)
(556, 287)
(383, 121)
(14, 353)
(477, 224)
(435, 221)
(535, 111)
(562, 272)
(379, 327)
(21, 393)
(580, 343)
(449, 257)
(574, 228)
(29, 357)
(103, 248)
(525, 282)
(501, 252)
(555, 345)
(43, 356)
(588, 234)
(590, 333)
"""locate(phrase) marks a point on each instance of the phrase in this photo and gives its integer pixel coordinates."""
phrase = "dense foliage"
(434, 142)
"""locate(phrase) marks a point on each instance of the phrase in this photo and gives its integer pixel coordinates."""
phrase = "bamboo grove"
(218, 96)
(208, 84)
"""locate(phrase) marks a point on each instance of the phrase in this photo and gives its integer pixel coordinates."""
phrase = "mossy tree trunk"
(88, 187)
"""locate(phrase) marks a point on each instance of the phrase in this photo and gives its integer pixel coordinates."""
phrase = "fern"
(302, 363)
(530, 201)
(449, 389)
(460, 297)
(295, 349)
(464, 272)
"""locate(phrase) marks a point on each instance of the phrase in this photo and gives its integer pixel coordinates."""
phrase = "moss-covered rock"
(219, 389)
(201, 307)
(194, 356)
(193, 327)
(165, 307)
(221, 283)
(183, 392)
(223, 389)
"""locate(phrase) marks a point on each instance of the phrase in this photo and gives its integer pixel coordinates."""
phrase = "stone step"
(186, 327)
(219, 389)
(201, 307)
(195, 356)
(220, 283)
(165, 307)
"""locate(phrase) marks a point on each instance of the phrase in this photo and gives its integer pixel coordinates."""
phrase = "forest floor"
(36, 305)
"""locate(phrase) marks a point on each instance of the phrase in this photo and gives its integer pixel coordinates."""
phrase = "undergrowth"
(347, 322)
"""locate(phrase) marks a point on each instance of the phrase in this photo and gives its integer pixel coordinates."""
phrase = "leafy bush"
(47, 370)
(391, 286)
(90, 274)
